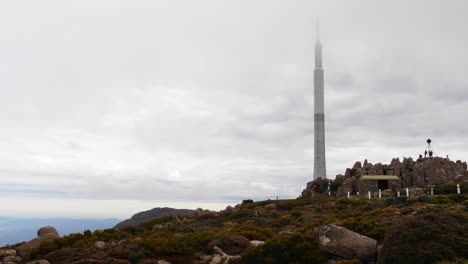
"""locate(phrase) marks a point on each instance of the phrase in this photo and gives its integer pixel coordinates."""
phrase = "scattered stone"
(163, 262)
(12, 259)
(100, 244)
(285, 233)
(7, 252)
(41, 261)
(347, 244)
(271, 206)
(233, 259)
(216, 259)
(157, 227)
(218, 250)
(256, 243)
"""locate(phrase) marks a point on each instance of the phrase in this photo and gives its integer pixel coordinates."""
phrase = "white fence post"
(458, 189)
(380, 194)
(369, 195)
(407, 192)
(348, 194)
(398, 193)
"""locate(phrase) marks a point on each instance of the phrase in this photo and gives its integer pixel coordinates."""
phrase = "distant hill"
(14, 229)
(144, 216)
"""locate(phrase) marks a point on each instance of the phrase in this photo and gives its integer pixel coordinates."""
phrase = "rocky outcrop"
(432, 171)
(347, 244)
(437, 171)
(144, 216)
(347, 186)
(47, 233)
(318, 185)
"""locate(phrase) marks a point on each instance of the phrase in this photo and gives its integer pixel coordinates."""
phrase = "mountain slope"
(144, 216)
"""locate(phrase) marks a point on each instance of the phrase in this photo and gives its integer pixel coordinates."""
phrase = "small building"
(375, 183)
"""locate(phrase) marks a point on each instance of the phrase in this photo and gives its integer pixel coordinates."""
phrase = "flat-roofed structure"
(375, 183)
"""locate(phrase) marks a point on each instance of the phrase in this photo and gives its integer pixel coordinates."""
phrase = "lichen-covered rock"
(47, 230)
(271, 206)
(44, 234)
(347, 244)
(7, 252)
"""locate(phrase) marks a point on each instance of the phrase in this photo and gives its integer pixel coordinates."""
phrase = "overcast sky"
(112, 107)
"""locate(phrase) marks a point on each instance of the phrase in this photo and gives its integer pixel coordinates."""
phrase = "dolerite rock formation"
(318, 185)
(47, 233)
(144, 216)
(410, 172)
(347, 244)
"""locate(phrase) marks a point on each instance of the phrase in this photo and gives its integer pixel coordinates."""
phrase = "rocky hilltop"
(416, 174)
(144, 216)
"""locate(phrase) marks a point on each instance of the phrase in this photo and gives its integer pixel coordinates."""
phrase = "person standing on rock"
(425, 153)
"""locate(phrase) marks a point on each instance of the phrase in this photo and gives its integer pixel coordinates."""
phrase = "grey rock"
(100, 244)
(7, 252)
(347, 244)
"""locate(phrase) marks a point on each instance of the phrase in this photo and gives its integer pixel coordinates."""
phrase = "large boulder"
(47, 233)
(347, 244)
(46, 230)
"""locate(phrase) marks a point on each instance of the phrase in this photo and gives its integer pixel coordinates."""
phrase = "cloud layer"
(210, 102)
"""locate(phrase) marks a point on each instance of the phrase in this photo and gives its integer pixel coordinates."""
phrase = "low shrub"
(430, 236)
(296, 248)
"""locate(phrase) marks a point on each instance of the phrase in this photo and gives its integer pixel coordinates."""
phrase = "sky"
(108, 108)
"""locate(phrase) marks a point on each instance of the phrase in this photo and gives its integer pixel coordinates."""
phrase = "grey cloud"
(206, 100)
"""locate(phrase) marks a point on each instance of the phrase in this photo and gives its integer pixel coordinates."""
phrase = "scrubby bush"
(296, 248)
(164, 247)
(198, 240)
(247, 201)
(450, 188)
(430, 236)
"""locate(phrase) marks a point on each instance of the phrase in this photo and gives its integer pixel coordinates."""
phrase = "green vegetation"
(432, 235)
(423, 230)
